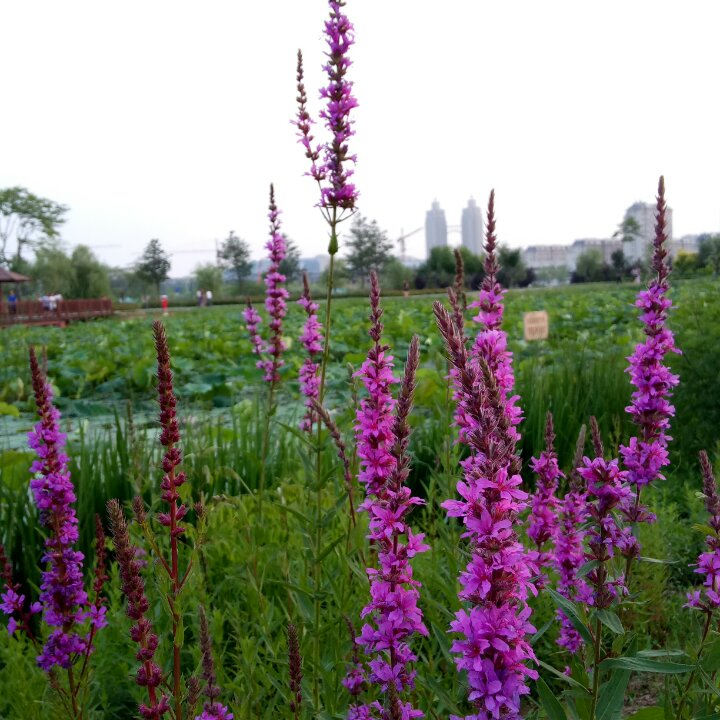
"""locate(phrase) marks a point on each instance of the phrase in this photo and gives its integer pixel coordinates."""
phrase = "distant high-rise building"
(472, 227)
(644, 215)
(435, 227)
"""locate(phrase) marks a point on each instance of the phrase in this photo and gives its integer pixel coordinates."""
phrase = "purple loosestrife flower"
(607, 492)
(312, 340)
(275, 295)
(212, 709)
(252, 321)
(149, 674)
(329, 160)
(13, 602)
(709, 562)
(646, 455)
(491, 342)
(373, 430)
(543, 520)
(393, 614)
(493, 646)
(569, 547)
(62, 595)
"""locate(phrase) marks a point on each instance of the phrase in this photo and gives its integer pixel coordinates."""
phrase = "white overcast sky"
(169, 119)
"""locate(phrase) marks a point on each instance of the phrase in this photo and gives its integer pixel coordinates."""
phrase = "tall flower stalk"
(173, 479)
(331, 161)
(393, 613)
(570, 548)
(607, 492)
(311, 339)
(149, 674)
(494, 627)
(270, 351)
(543, 521)
(706, 600)
(646, 454)
(213, 709)
(331, 167)
(64, 602)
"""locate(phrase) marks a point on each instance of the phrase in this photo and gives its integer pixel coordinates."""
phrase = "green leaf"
(573, 616)
(542, 631)
(7, 409)
(648, 713)
(565, 678)
(549, 702)
(710, 659)
(610, 620)
(612, 696)
(640, 664)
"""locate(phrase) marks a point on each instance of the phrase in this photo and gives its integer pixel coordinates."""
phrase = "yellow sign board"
(536, 325)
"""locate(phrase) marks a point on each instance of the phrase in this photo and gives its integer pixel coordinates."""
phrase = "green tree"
(709, 253)
(290, 266)
(619, 264)
(154, 264)
(234, 254)
(26, 218)
(90, 278)
(52, 270)
(512, 268)
(590, 267)
(209, 277)
(628, 230)
(369, 248)
(395, 275)
(686, 264)
(438, 270)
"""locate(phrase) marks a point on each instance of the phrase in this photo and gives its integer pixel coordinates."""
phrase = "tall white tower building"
(472, 227)
(435, 227)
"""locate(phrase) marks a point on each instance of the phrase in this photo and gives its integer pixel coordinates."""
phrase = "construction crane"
(401, 241)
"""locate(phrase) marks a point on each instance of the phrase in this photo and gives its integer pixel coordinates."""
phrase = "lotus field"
(386, 507)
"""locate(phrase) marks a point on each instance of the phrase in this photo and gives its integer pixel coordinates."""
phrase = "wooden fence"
(33, 312)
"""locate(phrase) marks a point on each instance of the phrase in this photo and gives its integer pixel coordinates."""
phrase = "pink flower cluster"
(339, 192)
(312, 340)
(13, 601)
(570, 556)
(63, 598)
(393, 614)
(252, 322)
(493, 647)
(646, 455)
(607, 493)
(543, 521)
(709, 561)
(276, 296)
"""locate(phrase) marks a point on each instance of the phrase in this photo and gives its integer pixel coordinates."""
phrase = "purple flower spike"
(494, 627)
(329, 160)
(490, 344)
(393, 615)
(252, 322)
(275, 295)
(607, 493)
(62, 596)
(569, 548)
(646, 455)
(149, 674)
(709, 562)
(544, 506)
(312, 340)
